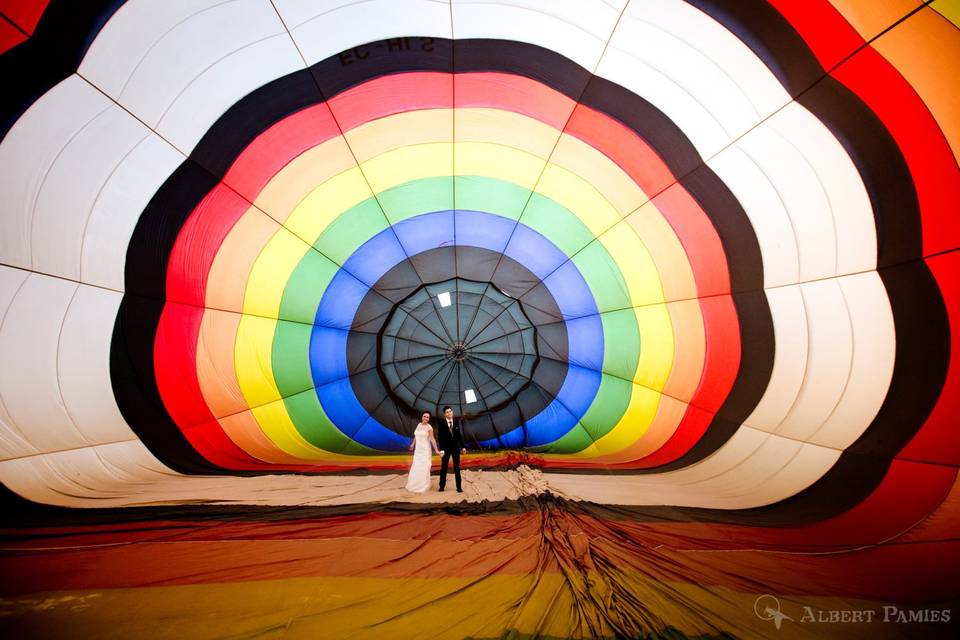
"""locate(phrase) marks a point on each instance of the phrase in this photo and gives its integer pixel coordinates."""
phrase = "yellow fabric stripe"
(323, 204)
(302, 175)
(255, 374)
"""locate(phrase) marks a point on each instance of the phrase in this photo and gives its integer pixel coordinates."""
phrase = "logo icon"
(767, 607)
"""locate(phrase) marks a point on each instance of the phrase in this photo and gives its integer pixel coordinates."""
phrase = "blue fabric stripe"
(420, 233)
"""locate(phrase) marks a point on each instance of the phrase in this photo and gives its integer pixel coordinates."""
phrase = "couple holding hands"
(450, 435)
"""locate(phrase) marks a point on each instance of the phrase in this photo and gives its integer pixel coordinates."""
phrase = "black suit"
(450, 442)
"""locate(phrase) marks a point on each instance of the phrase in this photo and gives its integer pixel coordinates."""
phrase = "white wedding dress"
(418, 480)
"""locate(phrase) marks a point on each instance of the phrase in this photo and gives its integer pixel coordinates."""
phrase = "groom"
(450, 439)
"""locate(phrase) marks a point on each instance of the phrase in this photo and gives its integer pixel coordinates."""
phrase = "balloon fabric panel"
(685, 269)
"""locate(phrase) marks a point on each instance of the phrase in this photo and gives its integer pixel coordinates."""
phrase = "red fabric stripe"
(622, 146)
(390, 95)
(823, 28)
(723, 352)
(691, 428)
(174, 359)
(932, 165)
(10, 36)
(199, 240)
(890, 96)
(720, 367)
(936, 177)
(277, 146)
(25, 13)
(514, 93)
(699, 238)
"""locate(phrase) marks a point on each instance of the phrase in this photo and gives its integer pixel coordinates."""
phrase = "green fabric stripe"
(355, 226)
(291, 370)
(415, 198)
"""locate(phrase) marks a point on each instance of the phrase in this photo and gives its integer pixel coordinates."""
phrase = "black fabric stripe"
(757, 340)
(354, 66)
(158, 227)
(770, 36)
(744, 260)
(26, 514)
(920, 369)
(531, 61)
(918, 309)
(863, 135)
(881, 165)
(651, 124)
(132, 345)
(738, 241)
(922, 329)
(922, 358)
(64, 33)
(67, 28)
(135, 388)
(251, 116)
(757, 348)
(31, 514)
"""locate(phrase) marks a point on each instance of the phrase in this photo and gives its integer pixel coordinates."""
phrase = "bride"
(418, 480)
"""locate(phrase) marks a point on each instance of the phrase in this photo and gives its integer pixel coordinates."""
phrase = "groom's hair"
(447, 407)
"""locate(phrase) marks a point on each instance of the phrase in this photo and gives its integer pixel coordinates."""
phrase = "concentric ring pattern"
(573, 254)
(721, 263)
(696, 259)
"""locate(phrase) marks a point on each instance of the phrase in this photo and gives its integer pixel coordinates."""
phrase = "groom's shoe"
(440, 489)
(459, 490)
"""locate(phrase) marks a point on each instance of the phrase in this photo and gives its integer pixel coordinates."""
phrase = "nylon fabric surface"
(685, 269)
